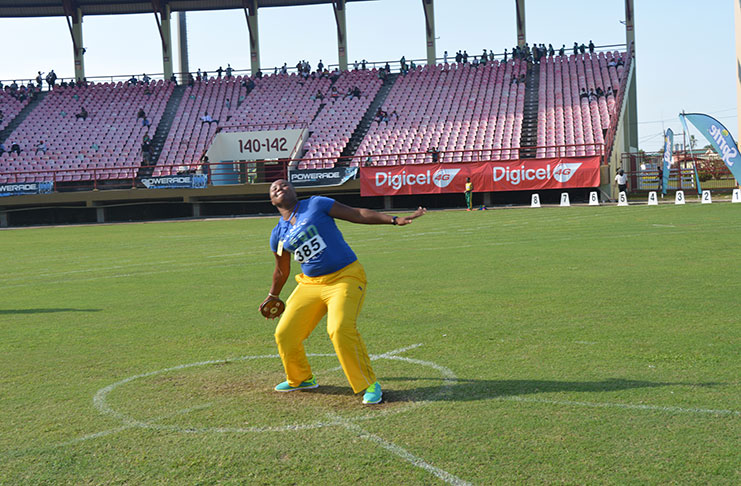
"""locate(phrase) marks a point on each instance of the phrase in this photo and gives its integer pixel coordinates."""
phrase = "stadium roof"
(52, 8)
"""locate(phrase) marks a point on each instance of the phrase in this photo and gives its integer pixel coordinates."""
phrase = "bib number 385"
(309, 249)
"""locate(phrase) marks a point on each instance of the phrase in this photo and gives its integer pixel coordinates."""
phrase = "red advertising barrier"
(515, 175)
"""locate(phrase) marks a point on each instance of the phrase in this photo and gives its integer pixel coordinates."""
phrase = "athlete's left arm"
(368, 216)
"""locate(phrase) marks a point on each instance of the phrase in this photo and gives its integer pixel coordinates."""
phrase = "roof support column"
(429, 8)
(250, 11)
(74, 23)
(339, 16)
(166, 32)
(520, 17)
(183, 47)
(631, 112)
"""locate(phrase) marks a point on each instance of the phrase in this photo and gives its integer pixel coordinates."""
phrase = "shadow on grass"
(470, 390)
(45, 311)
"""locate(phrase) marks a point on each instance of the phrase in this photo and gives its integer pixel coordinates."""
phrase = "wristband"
(393, 220)
(272, 295)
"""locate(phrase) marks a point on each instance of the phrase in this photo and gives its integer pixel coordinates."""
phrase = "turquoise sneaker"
(373, 394)
(305, 385)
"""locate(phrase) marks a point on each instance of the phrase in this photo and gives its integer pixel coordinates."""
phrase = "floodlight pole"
(520, 19)
(737, 19)
(429, 8)
(631, 113)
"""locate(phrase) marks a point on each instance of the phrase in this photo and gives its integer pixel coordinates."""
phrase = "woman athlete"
(332, 282)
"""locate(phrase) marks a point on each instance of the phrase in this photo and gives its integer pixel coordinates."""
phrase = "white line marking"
(100, 398)
(403, 453)
(628, 406)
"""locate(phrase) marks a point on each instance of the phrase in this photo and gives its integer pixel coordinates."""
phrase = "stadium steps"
(163, 128)
(362, 129)
(5, 133)
(529, 137)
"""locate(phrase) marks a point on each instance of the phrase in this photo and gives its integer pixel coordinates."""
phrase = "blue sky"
(685, 49)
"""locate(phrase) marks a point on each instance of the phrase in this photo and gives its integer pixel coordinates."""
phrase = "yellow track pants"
(340, 295)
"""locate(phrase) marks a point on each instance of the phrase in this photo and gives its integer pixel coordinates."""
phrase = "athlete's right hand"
(272, 307)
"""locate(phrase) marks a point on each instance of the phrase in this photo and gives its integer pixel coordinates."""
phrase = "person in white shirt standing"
(622, 181)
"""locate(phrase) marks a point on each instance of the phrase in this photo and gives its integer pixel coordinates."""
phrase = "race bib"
(309, 249)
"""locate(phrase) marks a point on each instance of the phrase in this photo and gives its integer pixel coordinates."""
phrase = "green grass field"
(573, 345)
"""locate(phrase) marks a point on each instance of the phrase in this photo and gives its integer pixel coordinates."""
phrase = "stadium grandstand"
(91, 147)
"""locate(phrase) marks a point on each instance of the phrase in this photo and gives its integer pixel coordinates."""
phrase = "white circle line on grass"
(627, 406)
(100, 399)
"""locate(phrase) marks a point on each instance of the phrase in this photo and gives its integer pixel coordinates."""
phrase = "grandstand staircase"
(5, 133)
(529, 136)
(364, 125)
(163, 128)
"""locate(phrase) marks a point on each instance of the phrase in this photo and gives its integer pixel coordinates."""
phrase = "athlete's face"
(282, 193)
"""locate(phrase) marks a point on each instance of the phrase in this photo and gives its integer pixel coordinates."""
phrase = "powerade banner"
(321, 177)
(667, 160)
(720, 139)
(190, 181)
(515, 175)
(21, 188)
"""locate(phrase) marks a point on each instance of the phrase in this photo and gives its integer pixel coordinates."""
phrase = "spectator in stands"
(228, 104)
(611, 63)
(387, 68)
(591, 46)
(562, 50)
(465, 57)
(14, 147)
(318, 95)
(622, 181)
(435, 154)
(146, 79)
(141, 113)
(284, 69)
(206, 118)
(356, 92)
(505, 56)
(592, 95)
(363, 64)
(203, 167)
(132, 80)
(258, 74)
(583, 93)
(146, 122)
(582, 48)
(51, 78)
(199, 76)
(484, 57)
(609, 91)
(576, 48)
(83, 114)
(205, 76)
(660, 174)
(445, 57)
(41, 147)
(599, 92)
(2, 148)
(355, 65)
(551, 51)
(191, 80)
(219, 72)
(320, 66)
(249, 84)
(619, 62)
(40, 79)
(174, 79)
(229, 71)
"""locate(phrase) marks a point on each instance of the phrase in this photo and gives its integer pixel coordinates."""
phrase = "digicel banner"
(515, 175)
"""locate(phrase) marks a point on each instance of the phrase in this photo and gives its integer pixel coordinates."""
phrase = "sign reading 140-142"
(257, 145)
(251, 145)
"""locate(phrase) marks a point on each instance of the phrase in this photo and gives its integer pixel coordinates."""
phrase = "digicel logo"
(441, 178)
(562, 173)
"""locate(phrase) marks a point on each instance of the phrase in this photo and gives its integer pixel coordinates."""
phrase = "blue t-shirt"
(314, 240)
